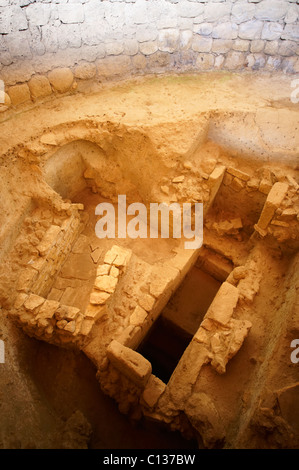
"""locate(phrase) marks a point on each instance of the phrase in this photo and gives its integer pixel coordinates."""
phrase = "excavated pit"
(170, 335)
(188, 344)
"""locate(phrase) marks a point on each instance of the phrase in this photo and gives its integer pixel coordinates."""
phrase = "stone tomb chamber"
(122, 342)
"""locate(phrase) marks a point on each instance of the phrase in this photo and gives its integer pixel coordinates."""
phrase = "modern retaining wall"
(114, 38)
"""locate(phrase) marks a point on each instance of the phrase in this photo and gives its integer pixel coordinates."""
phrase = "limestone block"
(19, 94)
(38, 14)
(271, 47)
(205, 61)
(130, 363)
(186, 373)
(251, 29)
(48, 309)
(106, 283)
(242, 12)
(33, 301)
(153, 391)
(149, 47)
(61, 79)
(39, 86)
(70, 327)
(221, 46)
(138, 316)
(224, 303)
(20, 299)
(271, 10)
(271, 31)
(237, 184)
(203, 29)
(202, 44)
(71, 13)
(225, 30)
(226, 344)
(147, 302)
(288, 48)
(12, 18)
(274, 199)
(94, 312)
(291, 32)
(189, 9)
(241, 45)
(85, 71)
(86, 327)
(103, 269)
(118, 256)
(168, 40)
(265, 186)
(114, 48)
(99, 298)
(114, 272)
(240, 174)
(216, 11)
(49, 239)
(234, 60)
(257, 45)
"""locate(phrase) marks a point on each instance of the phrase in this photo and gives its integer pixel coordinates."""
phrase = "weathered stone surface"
(202, 44)
(19, 94)
(130, 363)
(205, 61)
(33, 301)
(99, 298)
(138, 316)
(168, 40)
(242, 12)
(61, 79)
(85, 71)
(153, 391)
(274, 199)
(271, 10)
(205, 418)
(234, 60)
(225, 31)
(106, 283)
(222, 307)
(271, 31)
(251, 29)
(78, 266)
(39, 86)
(70, 14)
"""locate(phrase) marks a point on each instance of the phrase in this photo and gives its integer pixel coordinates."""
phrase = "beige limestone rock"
(61, 79)
(99, 298)
(130, 363)
(138, 316)
(103, 270)
(222, 307)
(48, 309)
(146, 301)
(106, 283)
(19, 94)
(240, 174)
(33, 301)
(49, 239)
(153, 391)
(39, 86)
(273, 201)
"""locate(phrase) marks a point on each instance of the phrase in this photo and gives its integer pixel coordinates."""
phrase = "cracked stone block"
(130, 363)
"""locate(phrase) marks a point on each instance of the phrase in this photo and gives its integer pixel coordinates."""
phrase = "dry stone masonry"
(50, 47)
